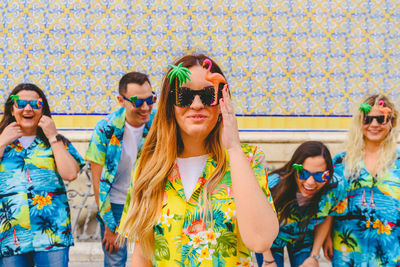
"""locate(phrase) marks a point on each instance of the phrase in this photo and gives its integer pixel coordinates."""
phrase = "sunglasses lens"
(138, 102)
(208, 96)
(380, 119)
(303, 174)
(367, 119)
(185, 97)
(21, 103)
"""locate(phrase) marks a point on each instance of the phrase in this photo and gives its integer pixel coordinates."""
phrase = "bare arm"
(110, 237)
(96, 170)
(67, 167)
(138, 260)
(321, 232)
(258, 224)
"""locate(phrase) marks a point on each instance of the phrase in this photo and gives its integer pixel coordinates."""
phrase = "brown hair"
(156, 164)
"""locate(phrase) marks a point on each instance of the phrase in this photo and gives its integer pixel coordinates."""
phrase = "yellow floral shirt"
(181, 236)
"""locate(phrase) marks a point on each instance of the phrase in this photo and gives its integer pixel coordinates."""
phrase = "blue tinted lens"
(320, 177)
(35, 104)
(139, 102)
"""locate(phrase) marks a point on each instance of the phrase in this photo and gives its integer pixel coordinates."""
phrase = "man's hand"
(110, 240)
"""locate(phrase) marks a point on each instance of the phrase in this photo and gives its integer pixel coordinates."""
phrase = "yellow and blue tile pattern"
(290, 64)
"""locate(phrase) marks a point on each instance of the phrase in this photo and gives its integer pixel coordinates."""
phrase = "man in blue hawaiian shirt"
(112, 152)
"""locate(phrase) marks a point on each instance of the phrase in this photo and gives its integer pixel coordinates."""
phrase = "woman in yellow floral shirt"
(199, 198)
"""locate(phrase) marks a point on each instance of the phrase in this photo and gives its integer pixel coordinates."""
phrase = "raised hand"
(230, 132)
(48, 126)
(11, 133)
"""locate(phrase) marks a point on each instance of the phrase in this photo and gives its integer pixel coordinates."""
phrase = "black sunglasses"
(380, 119)
(184, 96)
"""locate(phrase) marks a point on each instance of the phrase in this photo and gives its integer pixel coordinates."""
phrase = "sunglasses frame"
(319, 177)
(138, 102)
(201, 93)
(379, 119)
(34, 104)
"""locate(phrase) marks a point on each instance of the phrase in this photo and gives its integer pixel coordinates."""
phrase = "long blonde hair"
(163, 145)
(355, 142)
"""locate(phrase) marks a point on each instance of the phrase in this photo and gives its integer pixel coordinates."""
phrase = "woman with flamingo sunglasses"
(369, 233)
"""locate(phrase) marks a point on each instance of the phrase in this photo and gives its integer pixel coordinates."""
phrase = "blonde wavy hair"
(160, 150)
(355, 142)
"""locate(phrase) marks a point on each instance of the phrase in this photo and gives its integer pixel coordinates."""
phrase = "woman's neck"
(371, 156)
(372, 147)
(192, 147)
(28, 132)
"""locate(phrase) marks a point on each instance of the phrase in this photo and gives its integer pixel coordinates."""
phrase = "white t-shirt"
(130, 145)
(190, 170)
(26, 141)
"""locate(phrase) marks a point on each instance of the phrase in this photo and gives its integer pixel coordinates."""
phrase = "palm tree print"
(347, 239)
(47, 227)
(6, 215)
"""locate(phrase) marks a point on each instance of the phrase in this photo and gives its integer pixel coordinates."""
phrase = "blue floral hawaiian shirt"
(34, 210)
(292, 232)
(369, 233)
(105, 149)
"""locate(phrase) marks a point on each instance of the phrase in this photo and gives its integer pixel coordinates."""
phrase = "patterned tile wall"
(281, 57)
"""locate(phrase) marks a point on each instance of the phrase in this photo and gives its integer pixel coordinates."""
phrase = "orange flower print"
(211, 236)
(368, 223)
(196, 241)
(114, 140)
(195, 227)
(18, 147)
(341, 206)
(41, 201)
(382, 228)
(245, 262)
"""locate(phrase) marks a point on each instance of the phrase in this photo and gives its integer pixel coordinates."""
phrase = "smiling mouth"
(309, 189)
(27, 116)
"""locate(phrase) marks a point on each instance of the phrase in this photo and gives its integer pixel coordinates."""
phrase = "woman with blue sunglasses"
(35, 227)
(305, 195)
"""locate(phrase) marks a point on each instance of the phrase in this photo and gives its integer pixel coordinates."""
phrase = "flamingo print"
(214, 78)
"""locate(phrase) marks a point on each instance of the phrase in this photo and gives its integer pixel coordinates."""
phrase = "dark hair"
(284, 193)
(8, 106)
(132, 77)
(188, 61)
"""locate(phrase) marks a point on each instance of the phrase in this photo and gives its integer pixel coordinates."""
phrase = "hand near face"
(230, 132)
(48, 126)
(10, 134)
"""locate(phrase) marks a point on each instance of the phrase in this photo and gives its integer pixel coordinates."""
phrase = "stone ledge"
(87, 254)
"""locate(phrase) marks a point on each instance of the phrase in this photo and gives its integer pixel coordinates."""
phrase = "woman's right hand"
(10, 134)
(328, 248)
